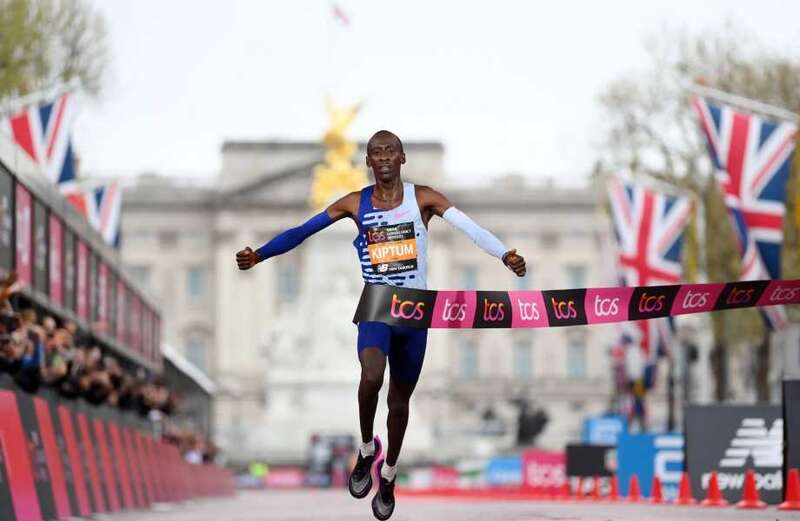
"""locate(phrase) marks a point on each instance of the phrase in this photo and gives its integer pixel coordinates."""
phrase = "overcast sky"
(508, 87)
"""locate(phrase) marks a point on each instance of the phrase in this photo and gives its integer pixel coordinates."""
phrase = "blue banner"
(504, 471)
(649, 455)
(603, 430)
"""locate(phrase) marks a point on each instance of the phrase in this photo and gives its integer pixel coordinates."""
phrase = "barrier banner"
(119, 464)
(40, 243)
(133, 465)
(56, 259)
(591, 460)
(546, 471)
(604, 430)
(106, 466)
(650, 455)
(791, 426)
(24, 234)
(730, 440)
(52, 456)
(147, 468)
(421, 308)
(18, 481)
(74, 463)
(6, 221)
(36, 454)
(91, 469)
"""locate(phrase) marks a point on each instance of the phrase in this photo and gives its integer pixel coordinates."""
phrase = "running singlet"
(392, 245)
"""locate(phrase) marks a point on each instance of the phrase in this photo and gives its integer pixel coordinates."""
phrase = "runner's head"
(385, 155)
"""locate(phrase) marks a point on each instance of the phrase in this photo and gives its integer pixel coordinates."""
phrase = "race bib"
(392, 248)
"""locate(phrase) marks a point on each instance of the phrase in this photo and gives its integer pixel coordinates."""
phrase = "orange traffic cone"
(579, 490)
(634, 495)
(566, 492)
(596, 489)
(685, 491)
(613, 494)
(750, 499)
(655, 491)
(792, 494)
(714, 498)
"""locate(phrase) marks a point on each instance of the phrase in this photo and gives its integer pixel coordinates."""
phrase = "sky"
(506, 86)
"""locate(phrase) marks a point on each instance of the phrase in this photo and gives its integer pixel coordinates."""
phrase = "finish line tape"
(568, 307)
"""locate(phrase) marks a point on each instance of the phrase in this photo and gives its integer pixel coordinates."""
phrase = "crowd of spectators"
(37, 350)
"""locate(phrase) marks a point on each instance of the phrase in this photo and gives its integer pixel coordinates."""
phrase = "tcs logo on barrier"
(605, 307)
(528, 310)
(565, 307)
(693, 300)
(494, 309)
(407, 309)
(454, 312)
(783, 295)
(651, 302)
(741, 294)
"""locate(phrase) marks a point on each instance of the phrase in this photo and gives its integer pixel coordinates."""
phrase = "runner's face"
(385, 157)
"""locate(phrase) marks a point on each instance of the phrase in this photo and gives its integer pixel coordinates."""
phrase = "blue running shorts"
(405, 347)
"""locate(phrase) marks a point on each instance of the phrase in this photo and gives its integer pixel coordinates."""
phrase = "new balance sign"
(730, 440)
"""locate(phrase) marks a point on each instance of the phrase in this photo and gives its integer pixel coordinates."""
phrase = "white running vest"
(392, 245)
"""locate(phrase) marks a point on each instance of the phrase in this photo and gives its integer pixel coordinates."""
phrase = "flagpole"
(746, 103)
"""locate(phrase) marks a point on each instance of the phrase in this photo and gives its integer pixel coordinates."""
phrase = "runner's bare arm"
(347, 206)
(432, 203)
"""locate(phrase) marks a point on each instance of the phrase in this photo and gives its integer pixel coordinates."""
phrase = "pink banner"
(136, 324)
(56, 260)
(82, 280)
(102, 304)
(157, 342)
(122, 332)
(544, 471)
(24, 231)
(285, 478)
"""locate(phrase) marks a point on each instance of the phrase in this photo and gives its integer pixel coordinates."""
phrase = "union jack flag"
(752, 157)
(649, 229)
(43, 133)
(101, 206)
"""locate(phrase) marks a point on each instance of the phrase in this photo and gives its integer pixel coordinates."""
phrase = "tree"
(48, 43)
(652, 129)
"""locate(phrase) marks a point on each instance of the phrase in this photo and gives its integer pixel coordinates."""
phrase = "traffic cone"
(613, 494)
(579, 489)
(596, 489)
(685, 491)
(566, 492)
(634, 495)
(792, 495)
(750, 499)
(655, 492)
(714, 498)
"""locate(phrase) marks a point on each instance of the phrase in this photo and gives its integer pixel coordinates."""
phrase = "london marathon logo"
(741, 294)
(651, 302)
(565, 307)
(493, 309)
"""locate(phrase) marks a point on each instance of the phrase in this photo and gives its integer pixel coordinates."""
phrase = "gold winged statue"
(337, 176)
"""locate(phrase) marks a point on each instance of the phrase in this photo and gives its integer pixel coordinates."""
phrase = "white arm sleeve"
(483, 238)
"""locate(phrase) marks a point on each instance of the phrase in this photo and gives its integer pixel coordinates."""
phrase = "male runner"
(392, 243)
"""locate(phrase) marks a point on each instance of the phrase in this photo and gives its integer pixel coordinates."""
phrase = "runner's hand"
(514, 262)
(246, 258)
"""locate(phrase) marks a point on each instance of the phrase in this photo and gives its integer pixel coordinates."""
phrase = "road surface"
(337, 505)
